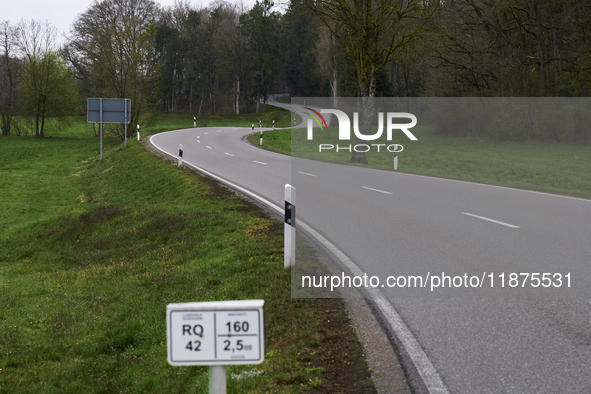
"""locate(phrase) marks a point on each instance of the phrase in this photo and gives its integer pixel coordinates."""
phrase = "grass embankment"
(93, 251)
(551, 167)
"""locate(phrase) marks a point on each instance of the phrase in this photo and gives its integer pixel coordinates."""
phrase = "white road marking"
(375, 190)
(199, 141)
(198, 136)
(229, 154)
(305, 173)
(260, 162)
(218, 131)
(489, 220)
(208, 147)
(206, 133)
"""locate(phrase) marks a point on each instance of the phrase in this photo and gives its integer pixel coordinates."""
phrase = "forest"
(227, 58)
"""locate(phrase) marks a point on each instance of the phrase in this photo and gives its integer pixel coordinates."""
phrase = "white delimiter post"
(194, 121)
(290, 229)
(217, 379)
(395, 160)
(138, 132)
(180, 155)
(101, 129)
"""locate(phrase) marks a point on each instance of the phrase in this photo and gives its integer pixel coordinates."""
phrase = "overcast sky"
(62, 13)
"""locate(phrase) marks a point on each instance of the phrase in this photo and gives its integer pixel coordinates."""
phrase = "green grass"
(93, 251)
(551, 167)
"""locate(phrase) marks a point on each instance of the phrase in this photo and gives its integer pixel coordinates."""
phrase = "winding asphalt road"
(530, 339)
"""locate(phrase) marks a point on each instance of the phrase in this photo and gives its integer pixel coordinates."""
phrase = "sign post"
(108, 110)
(289, 237)
(216, 334)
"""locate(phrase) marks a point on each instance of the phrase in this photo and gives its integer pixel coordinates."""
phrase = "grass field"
(93, 251)
(562, 168)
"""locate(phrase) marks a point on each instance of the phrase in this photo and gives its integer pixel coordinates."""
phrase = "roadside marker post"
(180, 155)
(396, 151)
(261, 139)
(252, 129)
(194, 121)
(216, 334)
(273, 124)
(289, 227)
(125, 125)
(260, 124)
(101, 131)
(138, 132)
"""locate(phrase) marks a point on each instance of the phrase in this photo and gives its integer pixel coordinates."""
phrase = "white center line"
(375, 190)
(206, 133)
(305, 173)
(218, 131)
(208, 147)
(489, 220)
(229, 154)
(260, 162)
(199, 141)
(198, 136)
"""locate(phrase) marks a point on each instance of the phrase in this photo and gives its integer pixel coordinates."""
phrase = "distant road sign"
(216, 333)
(113, 110)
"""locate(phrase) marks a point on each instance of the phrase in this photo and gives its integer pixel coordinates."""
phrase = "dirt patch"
(216, 190)
(337, 350)
(71, 226)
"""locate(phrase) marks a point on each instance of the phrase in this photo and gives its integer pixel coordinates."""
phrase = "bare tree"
(9, 74)
(110, 53)
(46, 88)
(373, 32)
(234, 50)
(328, 60)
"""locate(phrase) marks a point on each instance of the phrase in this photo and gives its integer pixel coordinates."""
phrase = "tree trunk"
(200, 104)
(335, 74)
(236, 94)
(335, 86)
(191, 98)
(368, 108)
(37, 124)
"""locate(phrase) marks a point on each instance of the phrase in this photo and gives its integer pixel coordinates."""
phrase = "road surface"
(461, 339)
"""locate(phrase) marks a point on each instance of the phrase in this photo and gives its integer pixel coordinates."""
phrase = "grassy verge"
(551, 167)
(92, 251)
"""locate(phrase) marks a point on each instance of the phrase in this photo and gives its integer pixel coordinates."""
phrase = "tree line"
(226, 58)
